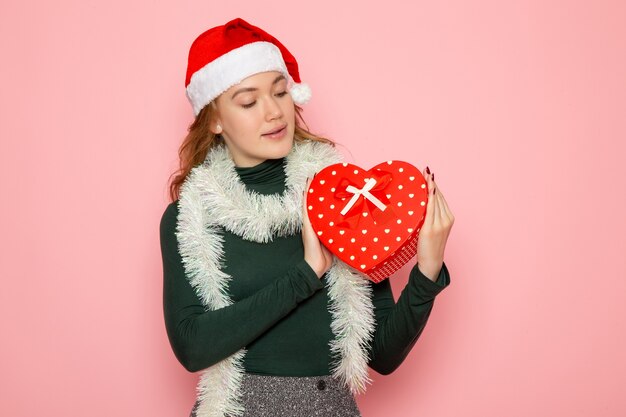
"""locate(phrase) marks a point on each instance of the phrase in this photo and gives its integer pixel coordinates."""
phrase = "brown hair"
(200, 140)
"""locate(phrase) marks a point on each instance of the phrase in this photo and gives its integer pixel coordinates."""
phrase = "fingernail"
(427, 169)
(434, 191)
(433, 176)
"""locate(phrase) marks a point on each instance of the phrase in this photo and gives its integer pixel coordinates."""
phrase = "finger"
(434, 191)
(305, 209)
(437, 215)
(428, 178)
(429, 216)
(305, 192)
(444, 204)
(445, 213)
(306, 187)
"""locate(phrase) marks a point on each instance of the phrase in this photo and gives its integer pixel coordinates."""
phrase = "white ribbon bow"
(365, 192)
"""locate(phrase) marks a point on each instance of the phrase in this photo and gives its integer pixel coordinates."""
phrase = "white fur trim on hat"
(231, 68)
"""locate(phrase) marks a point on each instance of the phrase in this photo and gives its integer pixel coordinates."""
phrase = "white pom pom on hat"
(225, 55)
(301, 93)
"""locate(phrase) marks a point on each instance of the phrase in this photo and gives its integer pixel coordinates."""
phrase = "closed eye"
(248, 105)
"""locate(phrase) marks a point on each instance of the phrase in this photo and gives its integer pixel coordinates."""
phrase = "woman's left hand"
(433, 234)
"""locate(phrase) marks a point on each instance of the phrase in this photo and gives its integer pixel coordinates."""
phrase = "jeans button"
(321, 384)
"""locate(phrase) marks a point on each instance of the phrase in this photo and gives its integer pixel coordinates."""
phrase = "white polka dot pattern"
(376, 242)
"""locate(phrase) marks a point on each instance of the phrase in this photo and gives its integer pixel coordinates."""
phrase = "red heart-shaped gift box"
(369, 219)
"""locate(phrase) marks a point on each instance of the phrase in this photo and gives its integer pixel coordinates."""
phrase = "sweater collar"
(270, 172)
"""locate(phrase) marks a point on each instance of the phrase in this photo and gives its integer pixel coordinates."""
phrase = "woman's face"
(256, 118)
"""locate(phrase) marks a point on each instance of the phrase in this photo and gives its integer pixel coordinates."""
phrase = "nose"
(272, 110)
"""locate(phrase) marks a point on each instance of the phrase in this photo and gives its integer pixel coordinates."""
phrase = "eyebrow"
(248, 89)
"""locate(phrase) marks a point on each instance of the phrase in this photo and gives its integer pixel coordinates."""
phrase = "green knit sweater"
(279, 311)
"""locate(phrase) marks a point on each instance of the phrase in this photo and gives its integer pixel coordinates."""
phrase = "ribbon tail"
(380, 216)
(352, 219)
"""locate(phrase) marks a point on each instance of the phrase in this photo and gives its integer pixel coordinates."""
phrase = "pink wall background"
(518, 108)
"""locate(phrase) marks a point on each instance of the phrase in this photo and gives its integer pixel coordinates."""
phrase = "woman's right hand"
(316, 255)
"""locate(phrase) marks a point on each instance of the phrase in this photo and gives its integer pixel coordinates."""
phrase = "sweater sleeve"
(399, 325)
(201, 338)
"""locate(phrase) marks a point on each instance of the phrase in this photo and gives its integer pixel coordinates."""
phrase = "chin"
(284, 149)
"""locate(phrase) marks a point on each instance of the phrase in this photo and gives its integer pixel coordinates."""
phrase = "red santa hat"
(225, 55)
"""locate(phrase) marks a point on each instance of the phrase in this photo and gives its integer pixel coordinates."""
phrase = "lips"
(276, 130)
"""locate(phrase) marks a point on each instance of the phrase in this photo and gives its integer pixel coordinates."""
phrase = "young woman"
(277, 325)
